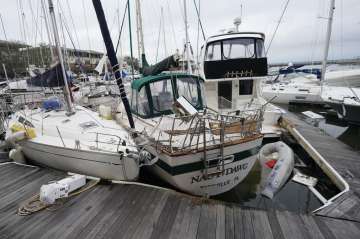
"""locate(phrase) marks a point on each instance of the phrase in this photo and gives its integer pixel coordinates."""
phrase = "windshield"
(188, 88)
(239, 48)
(162, 95)
(235, 48)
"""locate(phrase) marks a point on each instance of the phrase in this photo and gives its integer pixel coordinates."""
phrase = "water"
(293, 196)
(332, 125)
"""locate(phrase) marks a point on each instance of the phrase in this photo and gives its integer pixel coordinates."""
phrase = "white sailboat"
(76, 139)
(345, 101)
(307, 89)
(295, 89)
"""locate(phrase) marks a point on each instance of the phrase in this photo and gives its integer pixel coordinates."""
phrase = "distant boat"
(345, 101)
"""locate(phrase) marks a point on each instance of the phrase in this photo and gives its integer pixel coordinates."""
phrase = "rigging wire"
(277, 26)
(158, 42)
(198, 36)
(172, 25)
(316, 38)
(24, 26)
(199, 20)
(87, 28)
(164, 35)
(36, 21)
(121, 27)
(73, 23)
(5, 36)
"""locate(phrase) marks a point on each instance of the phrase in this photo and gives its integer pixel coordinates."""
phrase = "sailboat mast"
(60, 57)
(327, 43)
(139, 32)
(187, 41)
(130, 38)
(112, 57)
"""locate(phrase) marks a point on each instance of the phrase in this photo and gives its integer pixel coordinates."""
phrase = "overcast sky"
(300, 36)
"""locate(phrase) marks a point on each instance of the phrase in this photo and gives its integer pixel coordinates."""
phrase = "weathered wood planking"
(131, 211)
(344, 160)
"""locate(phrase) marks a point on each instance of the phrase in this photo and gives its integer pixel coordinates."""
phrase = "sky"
(300, 37)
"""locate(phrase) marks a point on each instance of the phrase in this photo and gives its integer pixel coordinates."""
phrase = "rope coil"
(34, 204)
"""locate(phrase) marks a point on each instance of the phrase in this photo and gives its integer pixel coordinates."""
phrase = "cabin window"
(162, 95)
(187, 87)
(239, 48)
(246, 87)
(143, 103)
(260, 51)
(213, 52)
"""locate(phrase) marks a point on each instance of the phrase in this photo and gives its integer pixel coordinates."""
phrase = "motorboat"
(196, 149)
(233, 66)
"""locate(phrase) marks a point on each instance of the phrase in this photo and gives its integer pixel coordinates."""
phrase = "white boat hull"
(102, 165)
(294, 95)
(178, 170)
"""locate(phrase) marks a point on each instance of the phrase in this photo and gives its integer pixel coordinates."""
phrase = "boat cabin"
(231, 63)
(153, 96)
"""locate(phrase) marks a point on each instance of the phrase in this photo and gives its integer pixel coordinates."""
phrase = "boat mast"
(130, 38)
(61, 59)
(112, 57)
(187, 41)
(47, 30)
(140, 33)
(327, 43)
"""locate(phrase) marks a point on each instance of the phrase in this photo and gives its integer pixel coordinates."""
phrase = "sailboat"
(76, 139)
(345, 101)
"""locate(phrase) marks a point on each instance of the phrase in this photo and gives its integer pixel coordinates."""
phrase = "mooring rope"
(34, 204)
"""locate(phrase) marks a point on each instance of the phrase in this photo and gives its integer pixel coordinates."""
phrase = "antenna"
(237, 22)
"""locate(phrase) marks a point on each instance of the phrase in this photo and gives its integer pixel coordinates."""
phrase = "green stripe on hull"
(191, 167)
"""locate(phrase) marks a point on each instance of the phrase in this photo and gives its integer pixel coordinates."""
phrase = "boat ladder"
(214, 163)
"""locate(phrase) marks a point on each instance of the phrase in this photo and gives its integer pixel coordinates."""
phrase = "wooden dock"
(135, 211)
(344, 160)
(132, 211)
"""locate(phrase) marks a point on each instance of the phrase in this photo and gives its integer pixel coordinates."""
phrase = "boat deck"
(344, 160)
(133, 211)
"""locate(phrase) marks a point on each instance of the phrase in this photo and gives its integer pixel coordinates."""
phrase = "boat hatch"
(153, 96)
(88, 125)
(235, 57)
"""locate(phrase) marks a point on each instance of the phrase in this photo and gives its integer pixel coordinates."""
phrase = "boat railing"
(108, 139)
(206, 130)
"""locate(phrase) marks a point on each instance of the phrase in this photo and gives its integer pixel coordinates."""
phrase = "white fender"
(282, 169)
(17, 155)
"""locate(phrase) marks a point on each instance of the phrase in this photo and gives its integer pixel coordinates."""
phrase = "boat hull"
(350, 113)
(109, 166)
(187, 173)
(286, 98)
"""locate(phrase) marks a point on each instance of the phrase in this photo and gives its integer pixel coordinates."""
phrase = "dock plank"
(133, 211)
(343, 159)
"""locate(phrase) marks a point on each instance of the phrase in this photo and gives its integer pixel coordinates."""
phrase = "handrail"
(221, 129)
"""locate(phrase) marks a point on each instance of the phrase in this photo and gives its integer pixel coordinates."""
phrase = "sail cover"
(164, 65)
(50, 78)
